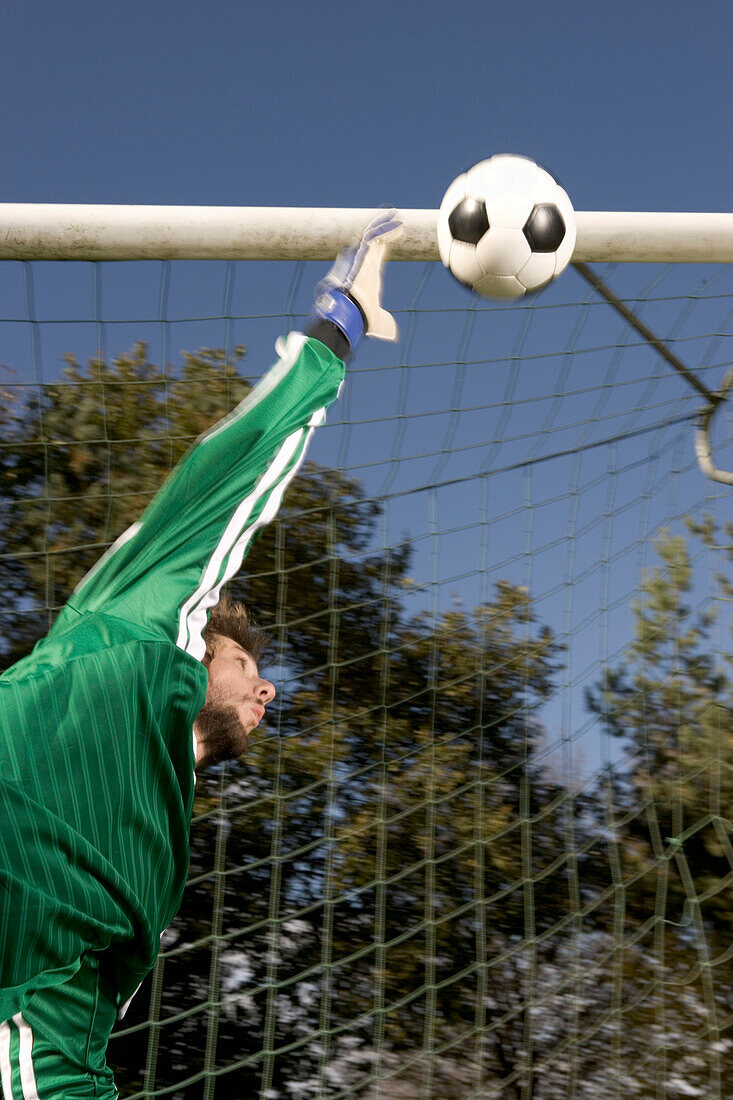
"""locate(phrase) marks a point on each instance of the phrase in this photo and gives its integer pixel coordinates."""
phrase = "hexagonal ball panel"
(545, 228)
(538, 271)
(500, 286)
(469, 221)
(464, 263)
(503, 252)
(504, 175)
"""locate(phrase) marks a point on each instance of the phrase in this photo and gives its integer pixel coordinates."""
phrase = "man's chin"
(220, 735)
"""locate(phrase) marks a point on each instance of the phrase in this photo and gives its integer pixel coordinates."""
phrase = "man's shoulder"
(89, 636)
(103, 674)
(94, 630)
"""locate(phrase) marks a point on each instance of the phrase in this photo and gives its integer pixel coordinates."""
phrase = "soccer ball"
(506, 227)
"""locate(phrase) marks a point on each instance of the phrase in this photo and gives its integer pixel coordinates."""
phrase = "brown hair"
(230, 620)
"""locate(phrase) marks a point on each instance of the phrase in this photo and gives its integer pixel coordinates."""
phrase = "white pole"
(48, 231)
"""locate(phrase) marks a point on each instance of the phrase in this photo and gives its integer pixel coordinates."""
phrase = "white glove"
(357, 273)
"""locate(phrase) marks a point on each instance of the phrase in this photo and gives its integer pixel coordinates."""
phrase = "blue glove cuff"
(338, 308)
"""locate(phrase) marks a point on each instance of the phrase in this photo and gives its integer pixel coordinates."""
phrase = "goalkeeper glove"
(350, 294)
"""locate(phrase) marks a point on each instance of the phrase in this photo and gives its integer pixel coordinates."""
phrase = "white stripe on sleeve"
(237, 536)
(27, 1076)
(231, 534)
(5, 1060)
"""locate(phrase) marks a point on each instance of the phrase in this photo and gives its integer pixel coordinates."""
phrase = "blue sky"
(175, 101)
(333, 104)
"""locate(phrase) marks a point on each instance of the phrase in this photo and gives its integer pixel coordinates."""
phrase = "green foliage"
(671, 701)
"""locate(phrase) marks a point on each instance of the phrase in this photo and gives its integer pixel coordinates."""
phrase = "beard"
(220, 734)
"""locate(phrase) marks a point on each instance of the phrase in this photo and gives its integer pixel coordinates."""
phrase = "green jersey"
(96, 725)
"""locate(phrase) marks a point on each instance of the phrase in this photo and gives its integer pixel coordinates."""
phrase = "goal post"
(482, 851)
(105, 232)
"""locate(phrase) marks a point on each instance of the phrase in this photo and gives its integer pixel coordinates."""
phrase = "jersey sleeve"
(166, 571)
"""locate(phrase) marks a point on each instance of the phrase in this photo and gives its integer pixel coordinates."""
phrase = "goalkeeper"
(102, 726)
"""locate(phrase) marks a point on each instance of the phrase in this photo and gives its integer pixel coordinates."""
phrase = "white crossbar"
(47, 231)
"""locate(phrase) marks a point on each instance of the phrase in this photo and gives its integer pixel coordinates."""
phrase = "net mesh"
(483, 849)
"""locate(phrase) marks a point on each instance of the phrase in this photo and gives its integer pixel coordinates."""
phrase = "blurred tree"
(670, 804)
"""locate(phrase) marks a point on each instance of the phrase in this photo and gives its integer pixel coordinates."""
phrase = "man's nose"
(265, 692)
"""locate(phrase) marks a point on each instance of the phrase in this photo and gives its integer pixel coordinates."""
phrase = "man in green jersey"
(146, 675)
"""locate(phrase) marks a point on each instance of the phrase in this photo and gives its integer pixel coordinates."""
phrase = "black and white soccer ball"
(506, 227)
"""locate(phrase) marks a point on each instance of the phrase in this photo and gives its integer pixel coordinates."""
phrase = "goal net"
(483, 847)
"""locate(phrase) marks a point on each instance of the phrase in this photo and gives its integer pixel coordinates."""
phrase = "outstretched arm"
(167, 570)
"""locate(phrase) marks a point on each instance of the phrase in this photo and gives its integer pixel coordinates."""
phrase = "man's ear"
(212, 644)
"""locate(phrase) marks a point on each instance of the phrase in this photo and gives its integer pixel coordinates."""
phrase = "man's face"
(235, 702)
